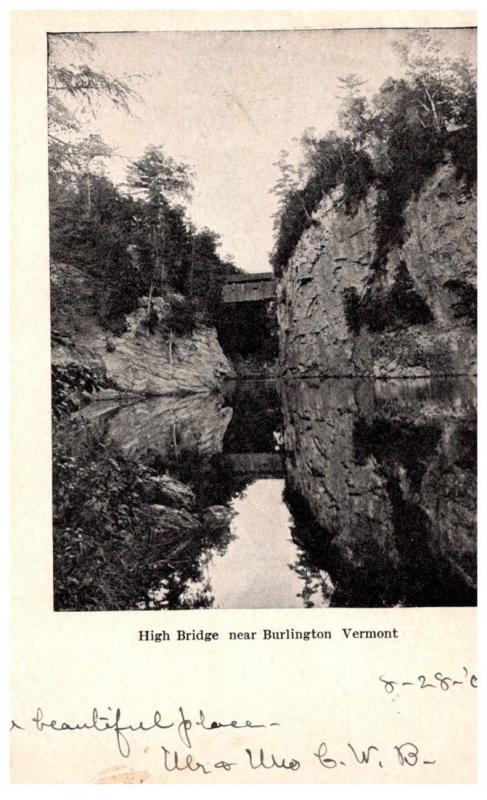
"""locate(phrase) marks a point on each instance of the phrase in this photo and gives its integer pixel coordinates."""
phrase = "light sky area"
(229, 102)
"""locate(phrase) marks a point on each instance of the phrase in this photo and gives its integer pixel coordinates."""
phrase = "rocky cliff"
(387, 470)
(139, 360)
(164, 425)
(346, 309)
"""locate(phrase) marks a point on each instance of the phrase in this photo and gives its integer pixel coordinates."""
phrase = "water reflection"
(167, 425)
(381, 479)
(259, 569)
(343, 492)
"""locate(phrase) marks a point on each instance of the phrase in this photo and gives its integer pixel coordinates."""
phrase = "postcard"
(244, 316)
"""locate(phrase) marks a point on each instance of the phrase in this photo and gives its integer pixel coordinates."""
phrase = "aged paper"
(241, 675)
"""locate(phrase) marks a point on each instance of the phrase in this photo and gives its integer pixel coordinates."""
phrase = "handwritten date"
(438, 681)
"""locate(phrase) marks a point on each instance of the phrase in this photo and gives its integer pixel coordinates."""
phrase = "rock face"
(165, 425)
(137, 361)
(386, 477)
(169, 491)
(343, 312)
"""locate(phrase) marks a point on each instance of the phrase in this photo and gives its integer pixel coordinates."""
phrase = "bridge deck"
(248, 288)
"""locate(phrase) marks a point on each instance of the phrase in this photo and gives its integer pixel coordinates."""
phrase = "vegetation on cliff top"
(393, 141)
(133, 240)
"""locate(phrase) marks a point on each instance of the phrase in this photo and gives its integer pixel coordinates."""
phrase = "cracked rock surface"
(137, 361)
(336, 257)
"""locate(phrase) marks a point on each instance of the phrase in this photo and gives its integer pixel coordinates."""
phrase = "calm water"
(260, 566)
(343, 492)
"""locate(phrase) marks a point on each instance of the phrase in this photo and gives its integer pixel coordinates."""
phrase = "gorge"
(299, 436)
(347, 480)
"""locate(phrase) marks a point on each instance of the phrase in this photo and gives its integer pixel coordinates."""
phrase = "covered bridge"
(248, 287)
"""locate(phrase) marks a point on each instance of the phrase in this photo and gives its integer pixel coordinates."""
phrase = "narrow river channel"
(338, 492)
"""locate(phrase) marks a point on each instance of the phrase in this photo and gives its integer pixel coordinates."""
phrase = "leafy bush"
(181, 318)
(112, 548)
(100, 525)
(69, 384)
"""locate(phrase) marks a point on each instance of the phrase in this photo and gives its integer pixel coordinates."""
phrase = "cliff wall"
(139, 360)
(343, 311)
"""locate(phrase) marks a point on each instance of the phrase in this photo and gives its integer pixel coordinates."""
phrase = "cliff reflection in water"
(381, 479)
(165, 425)
(308, 493)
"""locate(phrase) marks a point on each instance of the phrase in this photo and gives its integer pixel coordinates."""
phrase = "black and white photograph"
(263, 318)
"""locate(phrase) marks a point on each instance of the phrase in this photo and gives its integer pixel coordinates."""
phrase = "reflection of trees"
(312, 563)
(316, 582)
(168, 569)
(183, 582)
(200, 599)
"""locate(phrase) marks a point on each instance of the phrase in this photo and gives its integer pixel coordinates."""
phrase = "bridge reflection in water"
(345, 492)
(268, 465)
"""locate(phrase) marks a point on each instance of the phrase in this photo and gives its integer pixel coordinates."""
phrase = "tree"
(353, 115)
(442, 85)
(88, 150)
(288, 186)
(206, 283)
(122, 241)
(74, 90)
(326, 162)
(159, 177)
(350, 84)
